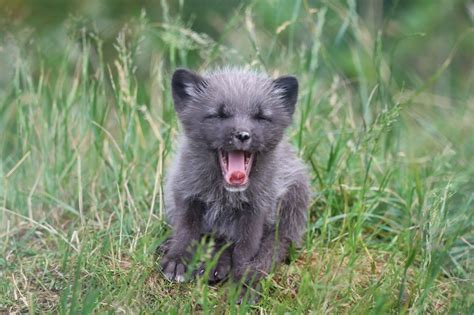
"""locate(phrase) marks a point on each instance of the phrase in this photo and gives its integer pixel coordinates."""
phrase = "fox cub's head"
(236, 114)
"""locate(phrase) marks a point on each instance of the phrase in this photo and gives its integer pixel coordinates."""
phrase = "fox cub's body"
(235, 176)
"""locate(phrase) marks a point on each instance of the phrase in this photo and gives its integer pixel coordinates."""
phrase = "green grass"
(85, 142)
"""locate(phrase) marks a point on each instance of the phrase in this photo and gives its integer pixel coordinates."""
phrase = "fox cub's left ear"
(286, 87)
(185, 85)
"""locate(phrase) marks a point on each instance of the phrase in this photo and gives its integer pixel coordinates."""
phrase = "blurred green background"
(418, 34)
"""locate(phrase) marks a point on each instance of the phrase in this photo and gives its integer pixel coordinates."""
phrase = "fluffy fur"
(258, 222)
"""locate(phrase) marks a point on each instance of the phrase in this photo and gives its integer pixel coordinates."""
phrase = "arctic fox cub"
(235, 177)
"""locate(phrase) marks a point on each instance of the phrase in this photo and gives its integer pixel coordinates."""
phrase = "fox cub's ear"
(185, 85)
(286, 87)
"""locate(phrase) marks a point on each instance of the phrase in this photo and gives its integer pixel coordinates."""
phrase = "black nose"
(242, 135)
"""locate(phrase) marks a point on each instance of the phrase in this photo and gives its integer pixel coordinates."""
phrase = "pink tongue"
(236, 167)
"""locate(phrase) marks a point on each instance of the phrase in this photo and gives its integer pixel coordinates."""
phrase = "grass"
(85, 143)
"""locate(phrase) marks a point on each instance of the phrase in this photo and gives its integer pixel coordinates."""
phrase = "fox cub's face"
(239, 115)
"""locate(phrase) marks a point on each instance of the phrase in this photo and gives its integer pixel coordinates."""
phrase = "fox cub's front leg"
(250, 230)
(186, 233)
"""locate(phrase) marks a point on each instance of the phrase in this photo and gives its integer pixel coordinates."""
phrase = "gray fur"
(210, 109)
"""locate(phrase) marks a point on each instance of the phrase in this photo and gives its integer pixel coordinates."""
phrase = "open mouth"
(235, 166)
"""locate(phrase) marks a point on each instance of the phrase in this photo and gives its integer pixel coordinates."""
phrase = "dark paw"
(218, 274)
(173, 269)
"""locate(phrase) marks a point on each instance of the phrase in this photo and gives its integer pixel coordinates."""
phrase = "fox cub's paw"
(219, 273)
(174, 268)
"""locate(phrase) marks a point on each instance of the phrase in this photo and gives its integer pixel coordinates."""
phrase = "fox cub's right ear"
(185, 85)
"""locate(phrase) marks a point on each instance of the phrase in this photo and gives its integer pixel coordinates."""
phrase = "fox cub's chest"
(222, 218)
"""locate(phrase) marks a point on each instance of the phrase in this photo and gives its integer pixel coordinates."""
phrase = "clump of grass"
(85, 144)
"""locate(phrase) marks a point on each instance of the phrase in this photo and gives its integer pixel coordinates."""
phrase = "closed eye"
(221, 113)
(217, 115)
(263, 117)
